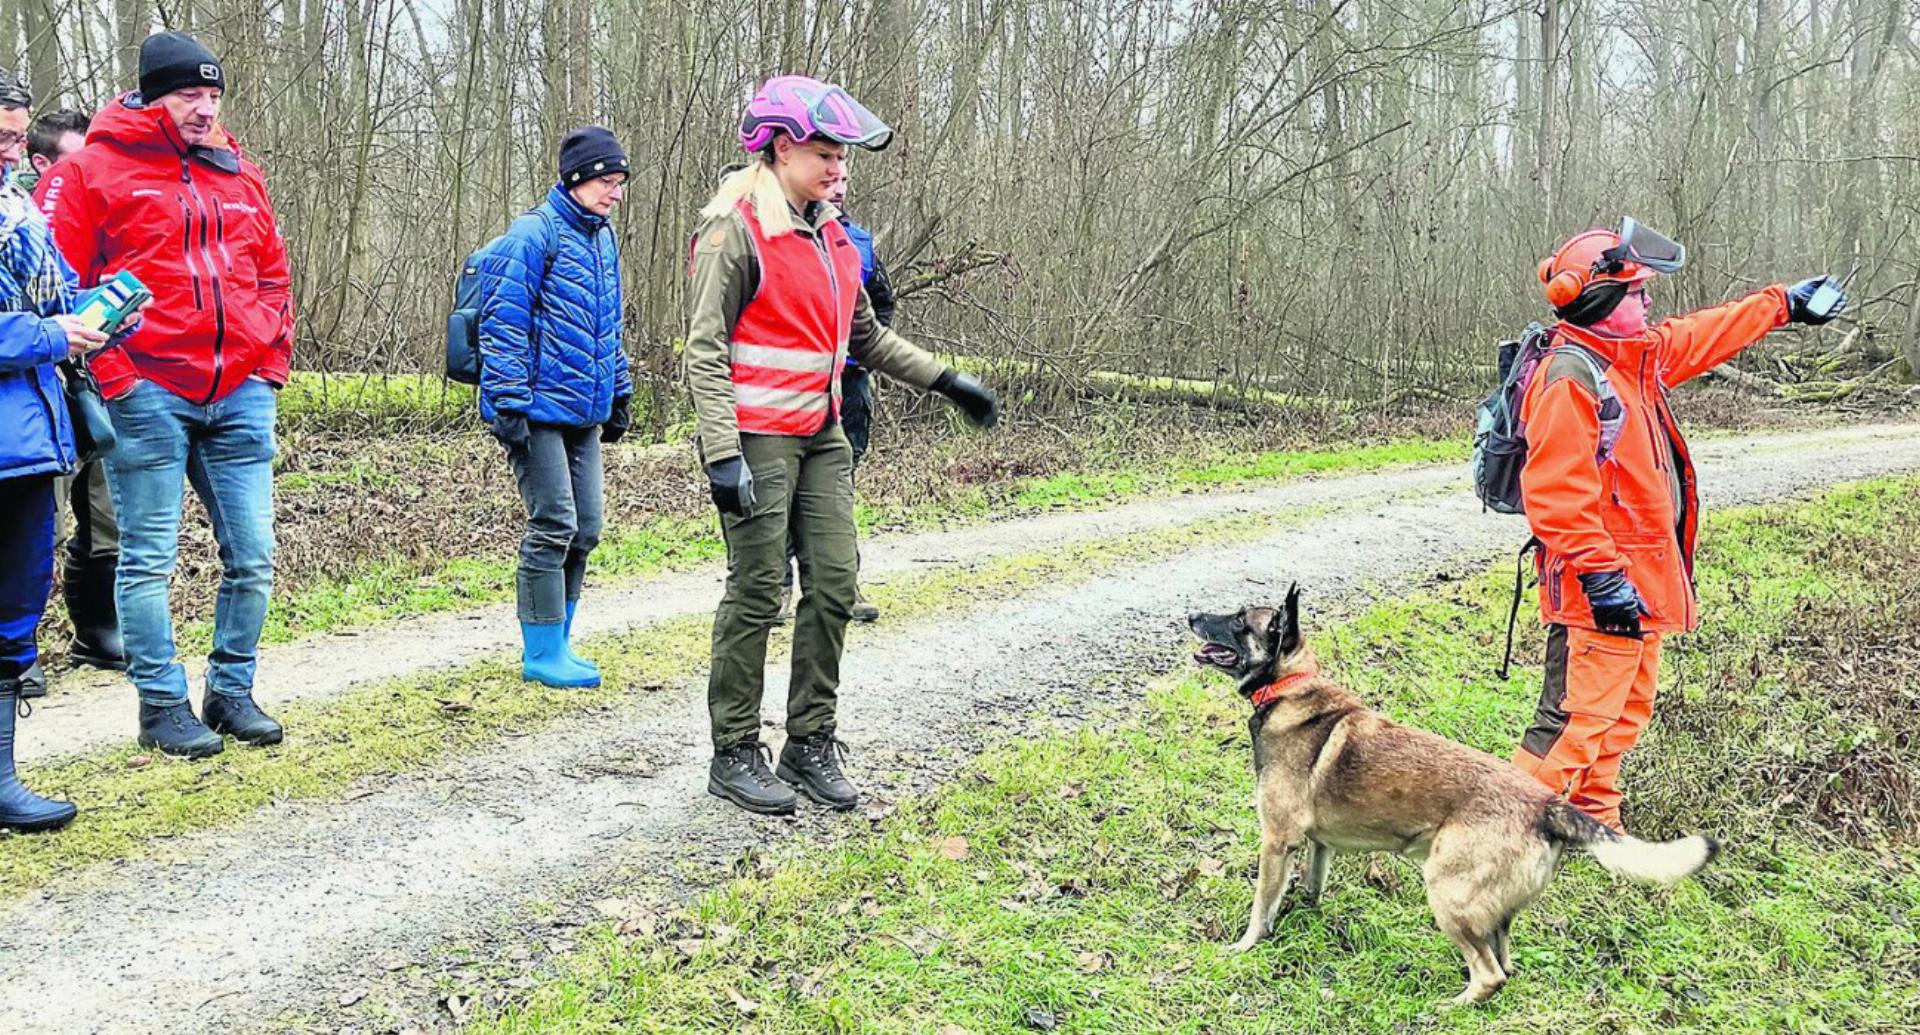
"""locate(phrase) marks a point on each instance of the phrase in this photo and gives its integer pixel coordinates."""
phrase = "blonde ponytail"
(757, 183)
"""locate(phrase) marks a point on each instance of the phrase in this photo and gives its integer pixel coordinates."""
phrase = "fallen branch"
(1834, 391)
(965, 261)
(1750, 382)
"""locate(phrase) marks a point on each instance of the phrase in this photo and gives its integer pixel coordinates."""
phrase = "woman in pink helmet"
(776, 307)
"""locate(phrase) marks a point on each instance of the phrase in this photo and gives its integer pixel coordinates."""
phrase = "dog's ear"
(1290, 638)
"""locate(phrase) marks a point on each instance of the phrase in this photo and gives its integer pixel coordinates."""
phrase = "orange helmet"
(1628, 256)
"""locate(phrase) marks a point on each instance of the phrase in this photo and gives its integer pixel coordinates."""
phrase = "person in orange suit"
(1617, 525)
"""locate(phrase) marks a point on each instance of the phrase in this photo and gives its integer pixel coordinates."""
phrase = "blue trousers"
(26, 567)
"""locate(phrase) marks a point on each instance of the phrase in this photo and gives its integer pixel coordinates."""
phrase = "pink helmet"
(801, 107)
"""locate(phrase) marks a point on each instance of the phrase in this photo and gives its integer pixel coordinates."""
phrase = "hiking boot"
(33, 683)
(176, 731)
(740, 775)
(785, 614)
(96, 625)
(20, 808)
(812, 764)
(863, 610)
(237, 716)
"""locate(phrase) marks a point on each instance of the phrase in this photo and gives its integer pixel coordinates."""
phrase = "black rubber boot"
(241, 719)
(96, 625)
(176, 731)
(20, 808)
(740, 775)
(812, 764)
(33, 682)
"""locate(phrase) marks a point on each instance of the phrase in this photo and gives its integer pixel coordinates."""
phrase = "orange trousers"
(1597, 698)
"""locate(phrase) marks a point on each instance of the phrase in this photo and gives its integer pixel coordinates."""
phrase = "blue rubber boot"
(572, 606)
(21, 809)
(544, 657)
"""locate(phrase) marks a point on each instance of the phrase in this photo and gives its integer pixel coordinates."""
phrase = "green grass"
(1097, 488)
(1089, 878)
(131, 799)
(315, 398)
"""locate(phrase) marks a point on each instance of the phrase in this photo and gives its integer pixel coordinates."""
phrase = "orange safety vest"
(790, 342)
(1639, 509)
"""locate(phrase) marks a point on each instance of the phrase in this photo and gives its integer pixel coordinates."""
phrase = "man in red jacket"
(162, 191)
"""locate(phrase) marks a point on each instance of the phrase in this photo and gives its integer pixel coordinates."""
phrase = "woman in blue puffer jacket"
(554, 385)
(36, 291)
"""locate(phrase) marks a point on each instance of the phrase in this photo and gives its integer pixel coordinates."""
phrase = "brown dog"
(1331, 775)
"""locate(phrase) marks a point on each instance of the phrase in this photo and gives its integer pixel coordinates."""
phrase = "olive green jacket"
(726, 273)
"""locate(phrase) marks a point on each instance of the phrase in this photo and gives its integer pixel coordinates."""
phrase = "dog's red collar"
(1273, 691)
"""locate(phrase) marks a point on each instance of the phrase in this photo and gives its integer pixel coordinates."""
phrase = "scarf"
(34, 277)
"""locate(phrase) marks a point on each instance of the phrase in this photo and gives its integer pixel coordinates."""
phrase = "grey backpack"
(1500, 436)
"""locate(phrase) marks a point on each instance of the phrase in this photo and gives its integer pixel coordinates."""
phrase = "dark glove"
(1617, 606)
(973, 398)
(128, 330)
(732, 482)
(1798, 297)
(618, 421)
(511, 429)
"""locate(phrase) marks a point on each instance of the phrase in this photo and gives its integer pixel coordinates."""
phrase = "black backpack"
(463, 323)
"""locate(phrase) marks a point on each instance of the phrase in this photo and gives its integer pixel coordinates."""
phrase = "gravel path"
(329, 916)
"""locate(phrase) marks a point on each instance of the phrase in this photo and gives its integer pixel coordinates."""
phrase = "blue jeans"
(226, 451)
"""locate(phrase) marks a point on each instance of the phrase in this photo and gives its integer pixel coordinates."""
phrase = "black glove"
(1799, 295)
(618, 421)
(511, 430)
(1617, 606)
(973, 398)
(732, 482)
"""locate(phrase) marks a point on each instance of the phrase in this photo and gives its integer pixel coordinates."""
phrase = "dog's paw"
(1473, 995)
(1245, 944)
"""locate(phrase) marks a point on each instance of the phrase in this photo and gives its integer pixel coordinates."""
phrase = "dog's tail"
(1661, 862)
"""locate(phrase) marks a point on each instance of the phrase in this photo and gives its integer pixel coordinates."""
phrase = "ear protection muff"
(1562, 287)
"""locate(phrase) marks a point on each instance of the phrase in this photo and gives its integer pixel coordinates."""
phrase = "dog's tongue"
(1214, 654)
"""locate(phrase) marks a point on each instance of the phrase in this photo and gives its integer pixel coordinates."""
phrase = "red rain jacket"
(201, 237)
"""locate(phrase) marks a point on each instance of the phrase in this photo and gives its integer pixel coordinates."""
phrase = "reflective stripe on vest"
(791, 338)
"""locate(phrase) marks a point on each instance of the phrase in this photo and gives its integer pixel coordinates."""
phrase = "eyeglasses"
(10, 140)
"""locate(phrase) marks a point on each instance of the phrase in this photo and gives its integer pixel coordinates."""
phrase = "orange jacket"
(1639, 510)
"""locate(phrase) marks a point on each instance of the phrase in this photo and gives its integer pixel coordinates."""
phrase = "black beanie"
(172, 61)
(588, 152)
(1594, 304)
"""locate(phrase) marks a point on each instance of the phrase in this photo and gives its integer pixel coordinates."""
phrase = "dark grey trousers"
(560, 483)
(87, 523)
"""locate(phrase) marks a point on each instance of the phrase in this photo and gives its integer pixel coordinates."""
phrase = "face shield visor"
(1642, 245)
(837, 116)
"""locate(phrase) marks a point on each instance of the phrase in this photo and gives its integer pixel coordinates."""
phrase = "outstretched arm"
(1693, 344)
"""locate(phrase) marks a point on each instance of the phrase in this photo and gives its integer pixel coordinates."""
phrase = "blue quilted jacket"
(33, 410)
(550, 335)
